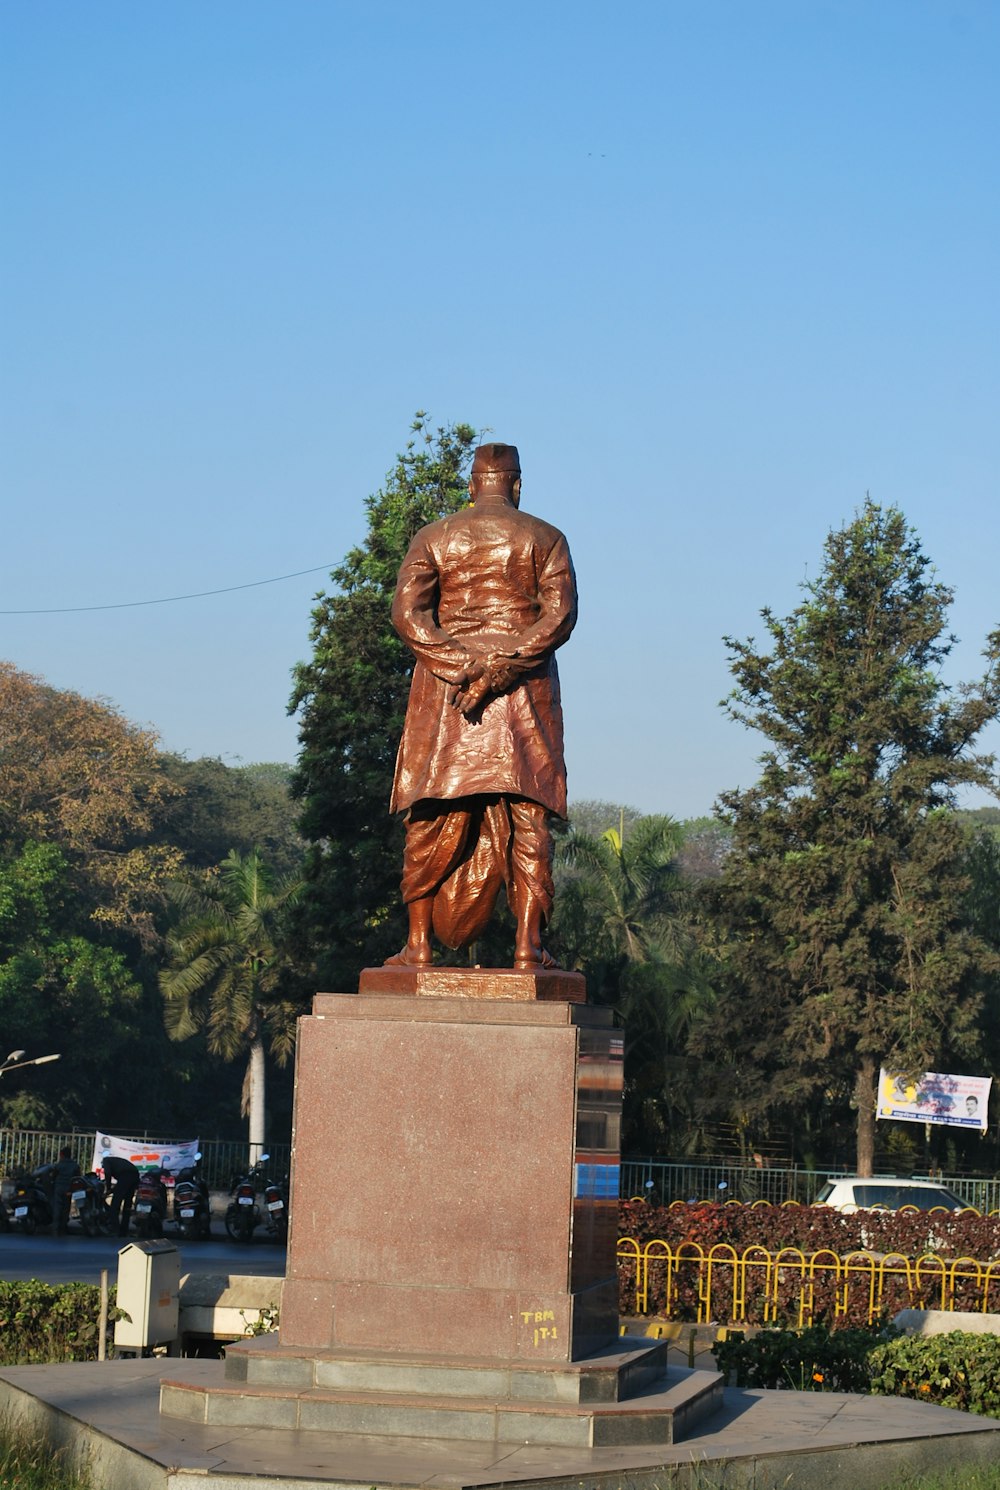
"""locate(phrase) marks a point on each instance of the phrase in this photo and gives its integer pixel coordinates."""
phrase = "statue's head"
(496, 469)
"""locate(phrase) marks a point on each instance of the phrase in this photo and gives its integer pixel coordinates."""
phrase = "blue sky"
(717, 268)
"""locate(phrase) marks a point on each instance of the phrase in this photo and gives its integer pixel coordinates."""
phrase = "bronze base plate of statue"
(475, 983)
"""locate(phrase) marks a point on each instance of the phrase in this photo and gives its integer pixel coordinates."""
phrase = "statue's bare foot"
(411, 956)
(540, 961)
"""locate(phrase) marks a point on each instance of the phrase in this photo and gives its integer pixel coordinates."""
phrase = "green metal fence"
(222, 1160)
(665, 1182)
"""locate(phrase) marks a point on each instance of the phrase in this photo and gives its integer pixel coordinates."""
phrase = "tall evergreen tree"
(844, 891)
(351, 696)
(983, 910)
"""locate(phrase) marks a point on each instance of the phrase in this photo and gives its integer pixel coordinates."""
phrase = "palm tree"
(628, 884)
(226, 972)
(623, 916)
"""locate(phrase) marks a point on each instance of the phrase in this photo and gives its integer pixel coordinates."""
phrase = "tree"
(843, 893)
(592, 818)
(983, 910)
(76, 774)
(621, 916)
(703, 852)
(351, 696)
(227, 973)
(62, 992)
(84, 869)
(218, 808)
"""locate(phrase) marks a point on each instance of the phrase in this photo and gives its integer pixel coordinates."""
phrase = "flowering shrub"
(956, 1370)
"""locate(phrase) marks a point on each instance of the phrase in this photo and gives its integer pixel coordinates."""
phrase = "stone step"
(657, 1416)
(619, 1371)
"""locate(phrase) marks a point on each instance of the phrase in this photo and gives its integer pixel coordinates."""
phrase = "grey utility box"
(149, 1276)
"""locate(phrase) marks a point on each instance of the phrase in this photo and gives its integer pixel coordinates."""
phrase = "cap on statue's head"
(490, 459)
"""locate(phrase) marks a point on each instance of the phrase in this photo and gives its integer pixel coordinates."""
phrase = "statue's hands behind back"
(504, 672)
(487, 676)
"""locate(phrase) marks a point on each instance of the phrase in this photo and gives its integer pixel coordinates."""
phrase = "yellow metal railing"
(760, 1286)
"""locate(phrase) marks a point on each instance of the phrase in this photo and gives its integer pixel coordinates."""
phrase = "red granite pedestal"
(455, 1173)
(454, 1204)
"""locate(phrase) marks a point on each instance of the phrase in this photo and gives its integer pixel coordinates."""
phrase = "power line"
(62, 610)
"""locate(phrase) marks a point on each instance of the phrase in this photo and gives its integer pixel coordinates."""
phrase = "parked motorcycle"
(243, 1214)
(31, 1202)
(192, 1213)
(151, 1204)
(276, 1209)
(6, 1201)
(87, 1195)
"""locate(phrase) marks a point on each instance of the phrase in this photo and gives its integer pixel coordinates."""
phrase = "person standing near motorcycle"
(126, 1181)
(64, 1172)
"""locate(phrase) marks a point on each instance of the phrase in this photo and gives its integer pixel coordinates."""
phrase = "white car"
(857, 1194)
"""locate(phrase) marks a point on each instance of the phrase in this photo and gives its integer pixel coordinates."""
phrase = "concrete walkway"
(108, 1416)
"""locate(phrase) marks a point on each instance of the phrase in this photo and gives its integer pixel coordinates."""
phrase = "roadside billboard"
(957, 1101)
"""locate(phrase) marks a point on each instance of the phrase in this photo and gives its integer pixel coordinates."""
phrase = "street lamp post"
(16, 1059)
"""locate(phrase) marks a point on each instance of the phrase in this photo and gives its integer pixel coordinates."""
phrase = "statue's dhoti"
(459, 852)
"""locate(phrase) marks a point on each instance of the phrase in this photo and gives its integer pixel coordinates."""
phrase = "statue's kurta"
(490, 579)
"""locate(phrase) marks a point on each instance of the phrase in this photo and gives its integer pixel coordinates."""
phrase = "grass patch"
(966, 1477)
(963, 1477)
(29, 1464)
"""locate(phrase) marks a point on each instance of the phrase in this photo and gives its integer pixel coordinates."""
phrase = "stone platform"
(107, 1418)
(621, 1395)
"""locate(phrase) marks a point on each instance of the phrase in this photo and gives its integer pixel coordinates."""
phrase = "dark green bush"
(812, 1360)
(42, 1322)
(955, 1370)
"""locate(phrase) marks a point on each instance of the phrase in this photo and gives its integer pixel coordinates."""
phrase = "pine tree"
(843, 896)
(352, 699)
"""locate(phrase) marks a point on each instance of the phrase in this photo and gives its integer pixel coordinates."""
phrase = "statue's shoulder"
(467, 520)
(546, 534)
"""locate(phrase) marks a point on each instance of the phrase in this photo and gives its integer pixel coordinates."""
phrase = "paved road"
(76, 1258)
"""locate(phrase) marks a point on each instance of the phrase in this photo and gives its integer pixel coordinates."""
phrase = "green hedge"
(812, 1360)
(43, 1322)
(954, 1370)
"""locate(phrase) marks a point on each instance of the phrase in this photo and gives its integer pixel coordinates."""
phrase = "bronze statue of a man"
(484, 598)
